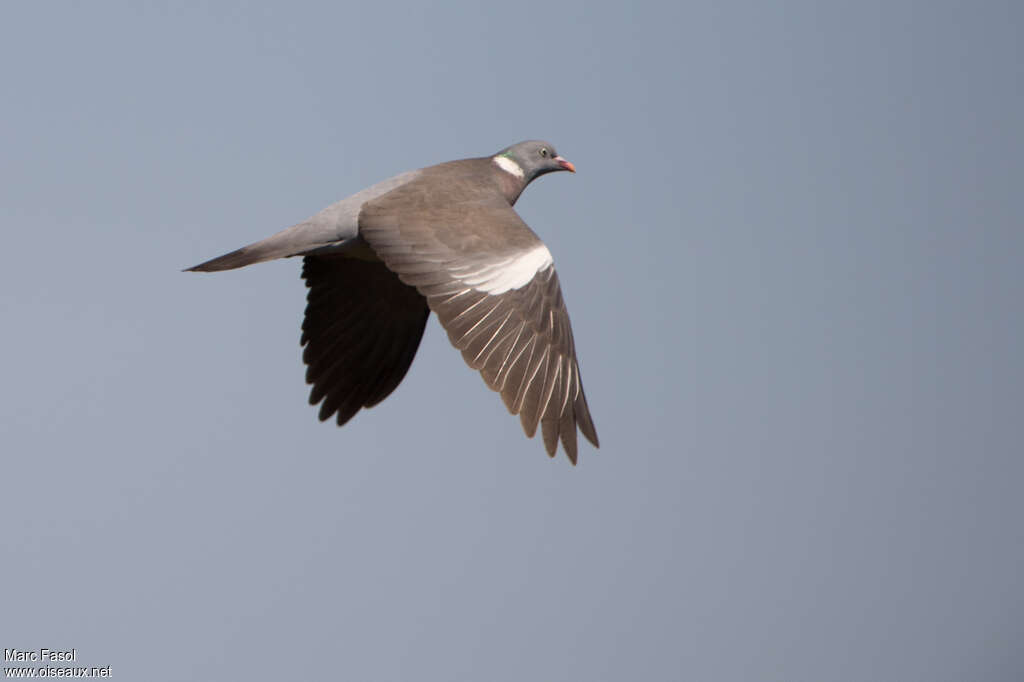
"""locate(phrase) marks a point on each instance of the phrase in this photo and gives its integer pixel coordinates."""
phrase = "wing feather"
(492, 284)
(361, 331)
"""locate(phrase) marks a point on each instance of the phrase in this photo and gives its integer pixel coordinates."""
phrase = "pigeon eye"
(544, 152)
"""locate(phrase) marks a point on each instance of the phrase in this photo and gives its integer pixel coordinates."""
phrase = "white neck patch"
(509, 166)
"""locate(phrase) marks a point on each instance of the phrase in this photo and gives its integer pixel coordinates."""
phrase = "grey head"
(533, 158)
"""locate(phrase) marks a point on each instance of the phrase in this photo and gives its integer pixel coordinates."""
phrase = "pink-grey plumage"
(444, 239)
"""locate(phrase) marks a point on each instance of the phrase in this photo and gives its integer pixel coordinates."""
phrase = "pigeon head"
(531, 159)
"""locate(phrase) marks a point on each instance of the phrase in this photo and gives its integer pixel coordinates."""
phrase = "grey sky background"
(793, 259)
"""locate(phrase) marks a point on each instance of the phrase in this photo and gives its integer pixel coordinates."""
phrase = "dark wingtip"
(585, 421)
(569, 444)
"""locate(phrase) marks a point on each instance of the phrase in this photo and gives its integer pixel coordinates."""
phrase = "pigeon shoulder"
(450, 184)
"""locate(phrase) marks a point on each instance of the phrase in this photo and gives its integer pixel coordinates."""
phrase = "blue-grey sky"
(793, 255)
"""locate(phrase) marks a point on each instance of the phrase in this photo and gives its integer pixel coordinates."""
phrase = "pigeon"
(444, 239)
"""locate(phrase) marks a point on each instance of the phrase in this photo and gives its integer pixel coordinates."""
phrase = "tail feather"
(294, 241)
(229, 261)
(336, 228)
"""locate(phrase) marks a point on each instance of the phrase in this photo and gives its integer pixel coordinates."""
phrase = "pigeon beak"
(567, 165)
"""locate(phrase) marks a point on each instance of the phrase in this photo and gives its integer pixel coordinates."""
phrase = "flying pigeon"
(443, 239)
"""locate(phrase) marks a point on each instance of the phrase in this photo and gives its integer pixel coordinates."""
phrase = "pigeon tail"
(336, 228)
(238, 258)
(294, 241)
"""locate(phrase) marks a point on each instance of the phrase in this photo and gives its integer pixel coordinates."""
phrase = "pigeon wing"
(493, 285)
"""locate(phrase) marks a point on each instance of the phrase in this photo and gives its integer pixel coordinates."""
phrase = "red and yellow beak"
(567, 165)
